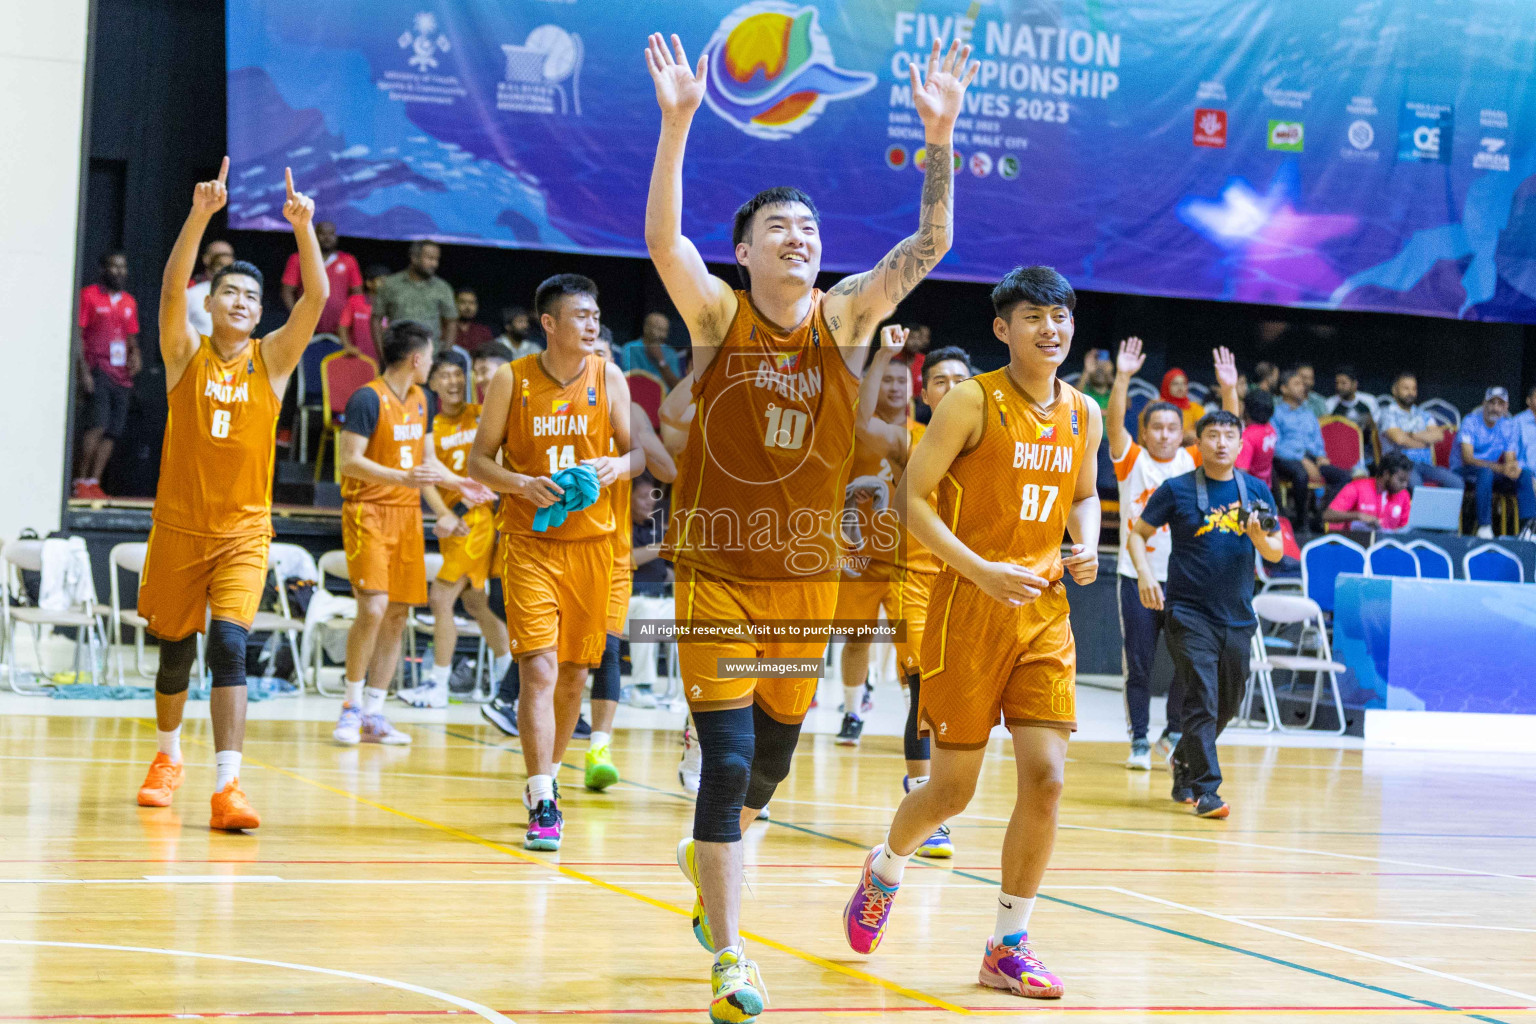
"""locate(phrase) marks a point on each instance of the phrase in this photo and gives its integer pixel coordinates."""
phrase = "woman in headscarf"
(1175, 391)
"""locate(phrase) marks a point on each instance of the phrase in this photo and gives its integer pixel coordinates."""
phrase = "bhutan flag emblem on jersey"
(1045, 431)
(560, 405)
(786, 362)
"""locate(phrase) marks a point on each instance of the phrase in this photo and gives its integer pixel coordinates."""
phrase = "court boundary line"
(1377, 920)
(484, 1012)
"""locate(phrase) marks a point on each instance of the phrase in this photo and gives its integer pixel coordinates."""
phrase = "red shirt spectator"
(341, 267)
(108, 320)
(1364, 495)
(1258, 454)
(356, 326)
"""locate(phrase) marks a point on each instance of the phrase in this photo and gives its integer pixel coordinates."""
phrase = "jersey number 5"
(1033, 509)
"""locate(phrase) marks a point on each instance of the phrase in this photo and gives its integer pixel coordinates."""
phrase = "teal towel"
(581, 489)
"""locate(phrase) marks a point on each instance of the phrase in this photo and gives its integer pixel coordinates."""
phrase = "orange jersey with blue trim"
(398, 441)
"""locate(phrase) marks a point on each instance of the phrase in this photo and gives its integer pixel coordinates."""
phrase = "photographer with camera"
(1217, 516)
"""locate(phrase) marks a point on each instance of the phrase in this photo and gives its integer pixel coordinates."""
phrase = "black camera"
(1267, 521)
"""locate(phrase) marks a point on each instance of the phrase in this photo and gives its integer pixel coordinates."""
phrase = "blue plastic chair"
(1490, 563)
(1434, 563)
(1391, 558)
(1321, 562)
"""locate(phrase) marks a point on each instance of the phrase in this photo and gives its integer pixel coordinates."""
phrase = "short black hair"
(403, 339)
(947, 354)
(1304, 365)
(421, 244)
(1400, 374)
(1394, 462)
(1217, 418)
(495, 350)
(553, 289)
(1038, 286)
(237, 267)
(1347, 371)
(466, 289)
(376, 270)
(1160, 406)
(741, 225)
(1287, 375)
(1259, 406)
(1530, 391)
(442, 361)
(110, 255)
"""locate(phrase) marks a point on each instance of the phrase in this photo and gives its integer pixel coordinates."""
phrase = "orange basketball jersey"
(880, 532)
(917, 557)
(398, 441)
(452, 437)
(550, 427)
(1007, 499)
(761, 484)
(216, 464)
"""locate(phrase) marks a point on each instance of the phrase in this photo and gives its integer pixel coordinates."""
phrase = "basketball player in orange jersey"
(546, 413)
(754, 535)
(212, 530)
(387, 469)
(998, 644)
(467, 542)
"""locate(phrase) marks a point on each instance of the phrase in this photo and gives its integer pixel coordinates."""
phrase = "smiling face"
(572, 324)
(782, 246)
(485, 368)
(447, 382)
(1038, 337)
(895, 386)
(235, 305)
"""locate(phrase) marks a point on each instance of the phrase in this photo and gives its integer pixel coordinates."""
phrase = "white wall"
(42, 78)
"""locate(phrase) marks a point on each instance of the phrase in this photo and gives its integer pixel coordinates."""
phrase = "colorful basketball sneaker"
(232, 812)
(349, 727)
(600, 773)
(937, 846)
(690, 867)
(376, 729)
(868, 908)
(544, 827)
(1014, 967)
(740, 994)
(163, 779)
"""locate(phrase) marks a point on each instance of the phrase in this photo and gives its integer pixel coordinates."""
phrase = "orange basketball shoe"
(231, 810)
(164, 778)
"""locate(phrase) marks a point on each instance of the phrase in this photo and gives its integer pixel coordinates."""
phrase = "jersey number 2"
(1033, 509)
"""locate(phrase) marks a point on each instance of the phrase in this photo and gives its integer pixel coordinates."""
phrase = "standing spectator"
(1359, 409)
(1525, 422)
(107, 352)
(1316, 402)
(342, 269)
(419, 295)
(517, 333)
(1266, 377)
(1406, 428)
(1259, 437)
(651, 354)
(1382, 502)
(217, 255)
(1175, 391)
(1300, 458)
(356, 327)
(473, 335)
(1098, 376)
(1490, 447)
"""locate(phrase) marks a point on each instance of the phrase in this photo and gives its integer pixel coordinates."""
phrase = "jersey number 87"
(1033, 509)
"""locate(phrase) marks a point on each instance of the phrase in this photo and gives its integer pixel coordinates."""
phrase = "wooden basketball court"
(391, 885)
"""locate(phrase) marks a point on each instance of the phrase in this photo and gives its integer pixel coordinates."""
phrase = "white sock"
(228, 762)
(889, 866)
(373, 701)
(1012, 918)
(599, 739)
(913, 781)
(170, 743)
(540, 787)
(499, 665)
(439, 676)
(739, 951)
(354, 692)
(852, 697)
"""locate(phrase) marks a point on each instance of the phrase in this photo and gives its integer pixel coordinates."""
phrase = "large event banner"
(1349, 155)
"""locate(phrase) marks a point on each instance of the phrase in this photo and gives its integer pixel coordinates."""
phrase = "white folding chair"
(1268, 582)
(1257, 655)
(424, 622)
(282, 621)
(332, 563)
(1288, 610)
(27, 555)
(127, 557)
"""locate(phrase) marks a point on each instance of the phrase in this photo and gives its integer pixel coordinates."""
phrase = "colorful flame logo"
(771, 71)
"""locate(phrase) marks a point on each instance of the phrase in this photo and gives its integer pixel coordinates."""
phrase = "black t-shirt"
(1210, 563)
(362, 413)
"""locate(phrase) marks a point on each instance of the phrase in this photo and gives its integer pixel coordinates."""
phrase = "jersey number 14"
(560, 457)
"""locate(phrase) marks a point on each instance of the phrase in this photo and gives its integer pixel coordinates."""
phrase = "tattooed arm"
(856, 304)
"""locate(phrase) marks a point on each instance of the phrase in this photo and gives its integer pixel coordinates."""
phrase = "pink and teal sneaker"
(868, 908)
(544, 826)
(1014, 967)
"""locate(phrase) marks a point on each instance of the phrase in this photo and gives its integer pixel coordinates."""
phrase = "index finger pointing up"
(223, 170)
(288, 176)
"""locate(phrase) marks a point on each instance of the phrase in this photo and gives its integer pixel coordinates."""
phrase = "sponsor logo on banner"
(545, 69)
(1286, 135)
(896, 157)
(1361, 137)
(1211, 91)
(772, 72)
(1493, 118)
(1492, 155)
(1211, 128)
(1361, 134)
(1362, 106)
(1291, 99)
(981, 164)
(1424, 132)
(423, 43)
(1008, 167)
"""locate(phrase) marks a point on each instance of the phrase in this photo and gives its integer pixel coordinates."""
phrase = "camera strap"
(1203, 495)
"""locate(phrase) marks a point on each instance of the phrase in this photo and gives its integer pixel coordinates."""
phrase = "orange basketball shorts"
(985, 661)
(902, 593)
(386, 550)
(916, 588)
(753, 608)
(472, 555)
(623, 584)
(557, 594)
(189, 576)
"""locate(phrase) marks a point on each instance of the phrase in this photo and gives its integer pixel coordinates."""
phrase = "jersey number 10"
(1033, 509)
(786, 428)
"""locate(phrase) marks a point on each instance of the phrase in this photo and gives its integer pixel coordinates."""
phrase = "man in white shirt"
(217, 255)
(1141, 466)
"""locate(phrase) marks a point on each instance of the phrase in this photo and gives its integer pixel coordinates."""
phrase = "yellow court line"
(470, 837)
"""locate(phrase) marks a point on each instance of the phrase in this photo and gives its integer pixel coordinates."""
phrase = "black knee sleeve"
(226, 652)
(605, 681)
(726, 744)
(176, 657)
(916, 746)
(770, 762)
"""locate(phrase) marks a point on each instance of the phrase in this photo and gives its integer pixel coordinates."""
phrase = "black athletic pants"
(1211, 659)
